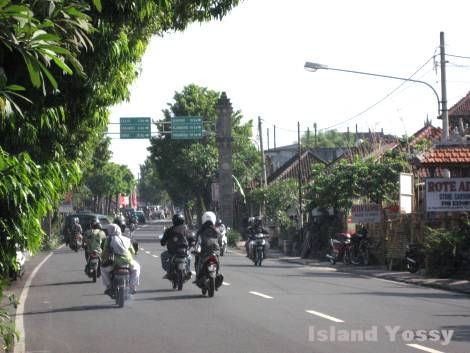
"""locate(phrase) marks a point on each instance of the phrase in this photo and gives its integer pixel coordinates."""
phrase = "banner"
(366, 213)
(447, 194)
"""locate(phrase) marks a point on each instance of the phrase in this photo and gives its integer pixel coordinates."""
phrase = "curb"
(423, 282)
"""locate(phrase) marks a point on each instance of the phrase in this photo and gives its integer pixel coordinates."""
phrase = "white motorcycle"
(223, 231)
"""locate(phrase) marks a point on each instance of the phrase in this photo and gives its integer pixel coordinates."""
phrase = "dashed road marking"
(142, 249)
(423, 348)
(225, 283)
(261, 295)
(324, 316)
(147, 252)
(154, 255)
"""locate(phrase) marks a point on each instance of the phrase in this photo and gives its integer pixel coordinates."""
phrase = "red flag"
(134, 199)
(122, 201)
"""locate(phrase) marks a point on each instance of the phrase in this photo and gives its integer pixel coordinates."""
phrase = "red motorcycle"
(340, 248)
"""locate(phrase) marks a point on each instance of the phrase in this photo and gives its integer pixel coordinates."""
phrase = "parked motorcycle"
(414, 257)
(18, 272)
(120, 290)
(257, 248)
(76, 242)
(179, 268)
(93, 267)
(359, 249)
(209, 278)
(340, 244)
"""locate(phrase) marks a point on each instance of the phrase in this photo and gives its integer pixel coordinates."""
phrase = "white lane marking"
(194, 273)
(423, 348)
(324, 316)
(261, 295)
(154, 255)
(20, 346)
(142, 249)
(147, 252)
(225, 283)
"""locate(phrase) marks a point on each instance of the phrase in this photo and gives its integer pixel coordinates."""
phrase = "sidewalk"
(456, 285)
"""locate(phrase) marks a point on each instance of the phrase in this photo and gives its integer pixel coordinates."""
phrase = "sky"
(256, 54)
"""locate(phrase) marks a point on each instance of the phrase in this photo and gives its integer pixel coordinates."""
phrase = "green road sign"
(186, 127)
(134, 128)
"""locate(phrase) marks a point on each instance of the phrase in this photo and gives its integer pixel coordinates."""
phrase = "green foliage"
(150, 188)
(447, 252)
(374, 180)
(233, 237)
(186, 168)
(279, 197)
(329, 138)
(423, 145)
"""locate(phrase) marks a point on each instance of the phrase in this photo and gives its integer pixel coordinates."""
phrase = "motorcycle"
(19, 270)
(93, 267)
(179, 268)
(340, 244)
(120, 290)
(76, 242)
(359, 249)
(414, 257)
(223, 232)
(257, 248)
(209, 278)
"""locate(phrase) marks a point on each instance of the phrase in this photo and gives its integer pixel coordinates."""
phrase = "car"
(140, 216)
(85, 219)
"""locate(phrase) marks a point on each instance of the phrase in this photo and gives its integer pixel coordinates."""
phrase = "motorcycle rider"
(121, 222)
(93, 240)
(174, 237)
(75, 228)
(220, 226)
(122, 258)
(209, 238)
(255, 227)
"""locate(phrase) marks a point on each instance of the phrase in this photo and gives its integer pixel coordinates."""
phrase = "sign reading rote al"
(366, 213)
(447, 194)
(134, 128)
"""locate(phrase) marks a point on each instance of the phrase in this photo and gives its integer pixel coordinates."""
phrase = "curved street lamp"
(309, 66)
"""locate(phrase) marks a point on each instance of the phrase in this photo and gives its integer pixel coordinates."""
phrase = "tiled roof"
(427, 132)
(461, 109)
(446, 155)
(290, 169)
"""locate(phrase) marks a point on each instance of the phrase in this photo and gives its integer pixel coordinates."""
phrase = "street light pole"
(309, 66)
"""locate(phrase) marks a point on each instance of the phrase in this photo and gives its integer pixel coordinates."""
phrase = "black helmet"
(178, 219)
(218, 222)
(95, 224)
(120, 222)
(258, 221)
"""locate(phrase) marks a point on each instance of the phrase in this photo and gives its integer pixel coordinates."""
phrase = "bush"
(233, 237)
(444, 255)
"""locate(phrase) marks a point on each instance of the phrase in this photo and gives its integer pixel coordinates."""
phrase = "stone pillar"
(224, 140)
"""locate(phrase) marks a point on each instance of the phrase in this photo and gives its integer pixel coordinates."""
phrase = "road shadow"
(173, 297)
(416, 295)
(147, 240)
(70, 309)
(61, 283)
(155, 290)
(461, 332)
(326, 274)
(62, 251)
(255, 267)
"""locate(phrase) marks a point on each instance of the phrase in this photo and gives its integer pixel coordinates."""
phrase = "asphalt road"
(277, 308)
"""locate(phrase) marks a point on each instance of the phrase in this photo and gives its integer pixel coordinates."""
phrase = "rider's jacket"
(210, 239)
(177, 236)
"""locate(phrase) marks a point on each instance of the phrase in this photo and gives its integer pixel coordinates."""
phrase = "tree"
(150, 187)
(188, 167)
(329, 138)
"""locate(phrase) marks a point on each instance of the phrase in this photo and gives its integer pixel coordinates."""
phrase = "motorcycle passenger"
(209, 238)
(255, 227)
(177, 236)
(121, 222)
(93, 240)
(123, 256)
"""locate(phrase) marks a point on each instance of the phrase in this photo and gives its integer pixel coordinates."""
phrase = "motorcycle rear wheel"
(211, 289)
(93, 276)
(180, 280)
(120, 296)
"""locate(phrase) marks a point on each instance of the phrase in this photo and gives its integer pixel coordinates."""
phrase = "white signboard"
(366, 213)
(66, 208)
(447, 194)
(406, 193)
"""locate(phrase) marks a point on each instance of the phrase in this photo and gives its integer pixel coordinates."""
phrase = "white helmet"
(208, 216)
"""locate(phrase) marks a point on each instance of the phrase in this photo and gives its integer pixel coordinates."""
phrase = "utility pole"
(308, 138)
(274, 136)
(267, 134)
(348, 138)
(315, 128)
(300, 177)
(444, 111)
(264, 182)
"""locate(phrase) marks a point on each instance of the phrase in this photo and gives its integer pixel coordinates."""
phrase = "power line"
(458, 56)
